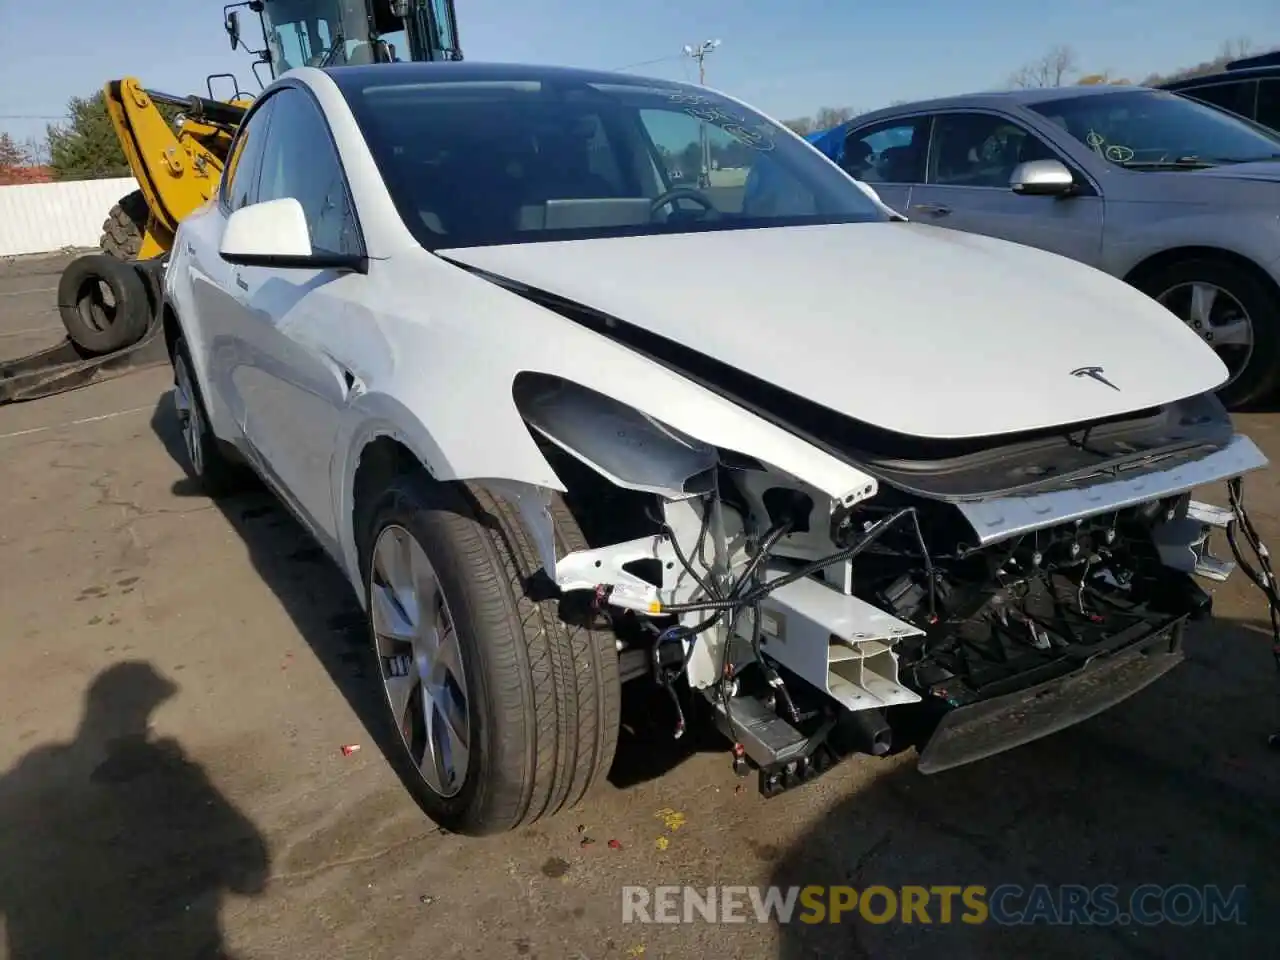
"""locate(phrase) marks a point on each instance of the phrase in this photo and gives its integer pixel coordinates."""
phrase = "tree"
(1236, 48)
(1051, 70)
(11, 155)
(801, 125)
(1230, 50)
(1105, 77)
(86, 148)
(829, 117)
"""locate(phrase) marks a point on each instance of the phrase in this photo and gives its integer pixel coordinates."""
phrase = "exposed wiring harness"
(762, 590)
(749, 589)
(1261, 575)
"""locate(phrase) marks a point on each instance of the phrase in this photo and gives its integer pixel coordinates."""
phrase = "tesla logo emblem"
(1094, 373)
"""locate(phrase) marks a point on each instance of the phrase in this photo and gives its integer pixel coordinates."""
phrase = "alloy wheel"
(420, 660)
(184, 398)
(1218, 318)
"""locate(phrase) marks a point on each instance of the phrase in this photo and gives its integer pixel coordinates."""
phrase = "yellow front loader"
(108, 301)
(177, 170)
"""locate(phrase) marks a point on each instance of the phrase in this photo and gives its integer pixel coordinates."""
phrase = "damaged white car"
(568, 420)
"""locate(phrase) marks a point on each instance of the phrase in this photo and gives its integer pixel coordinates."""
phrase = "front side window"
(240, 182)
(299, 161)
(981, 150)
(1158, 130)
(528, 158)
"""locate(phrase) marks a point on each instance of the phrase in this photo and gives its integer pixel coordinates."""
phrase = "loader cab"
(324, 33)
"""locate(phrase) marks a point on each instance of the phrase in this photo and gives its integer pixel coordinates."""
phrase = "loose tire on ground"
(1261, 374)
(124, 227)
(96, 322)
(207, 461)
(542, 698)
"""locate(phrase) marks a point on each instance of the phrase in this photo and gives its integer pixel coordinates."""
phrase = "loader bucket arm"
(177, 170)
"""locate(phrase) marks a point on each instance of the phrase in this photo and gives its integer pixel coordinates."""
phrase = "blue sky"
(787, 57)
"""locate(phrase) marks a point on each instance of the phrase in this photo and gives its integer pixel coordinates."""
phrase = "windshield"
(314, 33)
(1150, 129)
(515, 160)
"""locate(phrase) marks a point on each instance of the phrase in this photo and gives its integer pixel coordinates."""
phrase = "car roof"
(1232, 75)
(351, 78)
(997, 98)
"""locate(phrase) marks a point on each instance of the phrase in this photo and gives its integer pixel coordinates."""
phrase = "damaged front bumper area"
(813, 624)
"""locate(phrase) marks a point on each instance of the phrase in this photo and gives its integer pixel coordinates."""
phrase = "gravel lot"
(177, 679)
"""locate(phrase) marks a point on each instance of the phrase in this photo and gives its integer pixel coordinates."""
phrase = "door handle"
(240, 282)
(937, 209)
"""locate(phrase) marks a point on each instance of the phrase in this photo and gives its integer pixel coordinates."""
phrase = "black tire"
(208, 462)
(125, 226)
(1260, 376)
(543, 692)
(93, 324)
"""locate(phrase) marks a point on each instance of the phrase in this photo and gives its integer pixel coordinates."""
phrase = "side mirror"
(275, 234)
(233, 28)
(1042, 178)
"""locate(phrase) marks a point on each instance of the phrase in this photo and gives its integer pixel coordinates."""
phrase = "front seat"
(361, 53)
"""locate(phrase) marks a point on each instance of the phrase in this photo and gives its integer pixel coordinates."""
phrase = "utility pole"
(700, 53)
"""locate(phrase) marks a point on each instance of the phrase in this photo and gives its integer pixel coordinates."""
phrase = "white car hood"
(914, 329)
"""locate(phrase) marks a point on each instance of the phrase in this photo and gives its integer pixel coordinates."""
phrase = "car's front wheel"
(500, 708)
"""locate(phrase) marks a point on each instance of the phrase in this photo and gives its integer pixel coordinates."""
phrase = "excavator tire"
(122, 232)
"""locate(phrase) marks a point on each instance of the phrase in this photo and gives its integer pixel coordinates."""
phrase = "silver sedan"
(1178, 198)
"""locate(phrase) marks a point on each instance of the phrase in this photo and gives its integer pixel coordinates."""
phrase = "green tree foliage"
(85, 147)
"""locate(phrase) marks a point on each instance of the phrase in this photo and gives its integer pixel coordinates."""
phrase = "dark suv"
(1249, 87)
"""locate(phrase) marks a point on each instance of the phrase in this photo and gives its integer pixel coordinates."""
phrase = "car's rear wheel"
(207, 461)
(499, 708)
(1234, 312)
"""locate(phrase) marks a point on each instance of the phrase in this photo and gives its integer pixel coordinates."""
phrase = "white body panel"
(1001, 326)
(938, 334)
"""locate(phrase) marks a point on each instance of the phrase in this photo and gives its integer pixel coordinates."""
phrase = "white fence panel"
(45, 217)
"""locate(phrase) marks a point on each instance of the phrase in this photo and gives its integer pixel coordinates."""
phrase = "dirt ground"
(177, 679)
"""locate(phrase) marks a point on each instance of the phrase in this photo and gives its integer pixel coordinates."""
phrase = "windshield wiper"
(1258, 159)
(1182, 163)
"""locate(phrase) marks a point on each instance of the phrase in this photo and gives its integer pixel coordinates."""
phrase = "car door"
(888, 155)
(216, 298)
(294, 320)
(972, 155)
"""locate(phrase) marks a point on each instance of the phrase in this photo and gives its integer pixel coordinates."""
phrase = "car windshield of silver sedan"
(515, 160)
(1157, 130)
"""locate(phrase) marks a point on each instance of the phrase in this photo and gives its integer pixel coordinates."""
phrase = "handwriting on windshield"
(706, 110)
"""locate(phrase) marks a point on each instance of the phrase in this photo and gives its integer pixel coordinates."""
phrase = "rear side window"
(889, 152)
(240, 182)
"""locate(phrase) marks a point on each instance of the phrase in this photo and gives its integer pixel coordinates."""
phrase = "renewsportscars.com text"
(1006, 904)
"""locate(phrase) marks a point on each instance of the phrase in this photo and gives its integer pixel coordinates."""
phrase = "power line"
(646, 63)
(32, 116)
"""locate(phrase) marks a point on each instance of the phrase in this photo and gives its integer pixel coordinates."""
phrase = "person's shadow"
(116, 844)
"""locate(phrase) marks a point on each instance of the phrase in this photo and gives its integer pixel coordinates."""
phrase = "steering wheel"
(682, 192)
